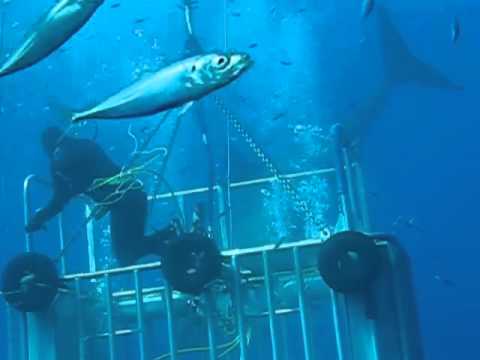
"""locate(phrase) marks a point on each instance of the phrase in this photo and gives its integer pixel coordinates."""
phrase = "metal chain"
(285, 182)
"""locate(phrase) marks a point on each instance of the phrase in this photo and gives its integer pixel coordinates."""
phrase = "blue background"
(420, 156)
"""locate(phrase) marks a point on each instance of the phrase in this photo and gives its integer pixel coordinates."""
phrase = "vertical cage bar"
(181, 206)
(336, 325)
(170, 328)
(111, 329)
(140, 313)
(341, 178)
(61, 235)
(351, 191)
(81, 335)
(271, 307)
(10, 331)
(285, 349)
(27, 210)
(362, 197)
(92, 264)
(225, 240)
(26, 342)
(239, 308)
(211, 328)
(302, 306)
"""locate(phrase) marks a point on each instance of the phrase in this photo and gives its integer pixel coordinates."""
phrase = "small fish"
(367, 7)
(252, 45)
(445, 282)
(455, 28)
(236, 13)
(115, 6)
(139, 21)
(278, 116)
(408, 222)
(286, 63)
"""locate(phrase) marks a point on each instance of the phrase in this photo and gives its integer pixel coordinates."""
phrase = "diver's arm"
(60, 198)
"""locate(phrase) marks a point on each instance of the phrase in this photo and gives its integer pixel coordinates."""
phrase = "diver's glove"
(35, 224)
(33, 227)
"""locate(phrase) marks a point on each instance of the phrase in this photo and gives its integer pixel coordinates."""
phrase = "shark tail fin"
(401, 64)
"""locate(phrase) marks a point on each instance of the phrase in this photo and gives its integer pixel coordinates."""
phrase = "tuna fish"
(171, 87)
(60, 23)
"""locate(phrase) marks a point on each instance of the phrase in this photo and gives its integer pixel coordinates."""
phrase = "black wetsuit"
(75, 164)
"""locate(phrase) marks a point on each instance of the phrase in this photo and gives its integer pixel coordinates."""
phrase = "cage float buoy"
(30, 282)
(349, 261)
(191, 262)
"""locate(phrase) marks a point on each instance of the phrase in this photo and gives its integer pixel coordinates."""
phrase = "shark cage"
(299, 276)
(344, 293)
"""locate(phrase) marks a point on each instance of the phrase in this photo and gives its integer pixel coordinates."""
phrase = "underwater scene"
(239, 179)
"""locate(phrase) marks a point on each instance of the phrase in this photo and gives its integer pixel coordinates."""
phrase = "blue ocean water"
(315, 62)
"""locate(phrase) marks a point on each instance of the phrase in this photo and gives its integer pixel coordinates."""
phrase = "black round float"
(191, 262)
(30, 282)
(349, 261)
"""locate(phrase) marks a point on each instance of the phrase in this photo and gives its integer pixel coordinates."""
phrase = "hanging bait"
(171, 87)
(58, 25)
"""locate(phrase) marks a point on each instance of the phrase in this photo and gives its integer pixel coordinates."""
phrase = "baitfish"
(367, 7)
(175, 85)
(55, 27)
(455, 30)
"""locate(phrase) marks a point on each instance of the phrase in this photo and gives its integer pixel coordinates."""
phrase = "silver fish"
(455, 29)
(367, 7)
(55, 27)
(171, 87)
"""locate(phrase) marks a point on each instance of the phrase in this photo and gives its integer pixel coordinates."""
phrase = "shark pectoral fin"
(401, 65)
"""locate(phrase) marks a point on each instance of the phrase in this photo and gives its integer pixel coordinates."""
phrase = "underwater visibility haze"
(129, 105)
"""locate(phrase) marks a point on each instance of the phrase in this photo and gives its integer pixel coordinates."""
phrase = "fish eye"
(222, 61)
(194, 68)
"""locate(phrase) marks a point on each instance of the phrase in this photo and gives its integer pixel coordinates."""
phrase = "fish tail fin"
(2, 41)
(401, 64)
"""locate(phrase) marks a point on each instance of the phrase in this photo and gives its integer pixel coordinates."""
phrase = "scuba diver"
(75, 165)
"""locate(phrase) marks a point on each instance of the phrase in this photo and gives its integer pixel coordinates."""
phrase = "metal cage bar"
(239, 307)
(80, 325)
(352, 198)
(362, 195)
(27, 205)
(63, 264)
(110, 325)
(337, 326)
(211, 327)
(224, 232)
(301, 303)
(140, 313)
(271, 308)
(172, 341)
(10, 331)
(92, 259)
